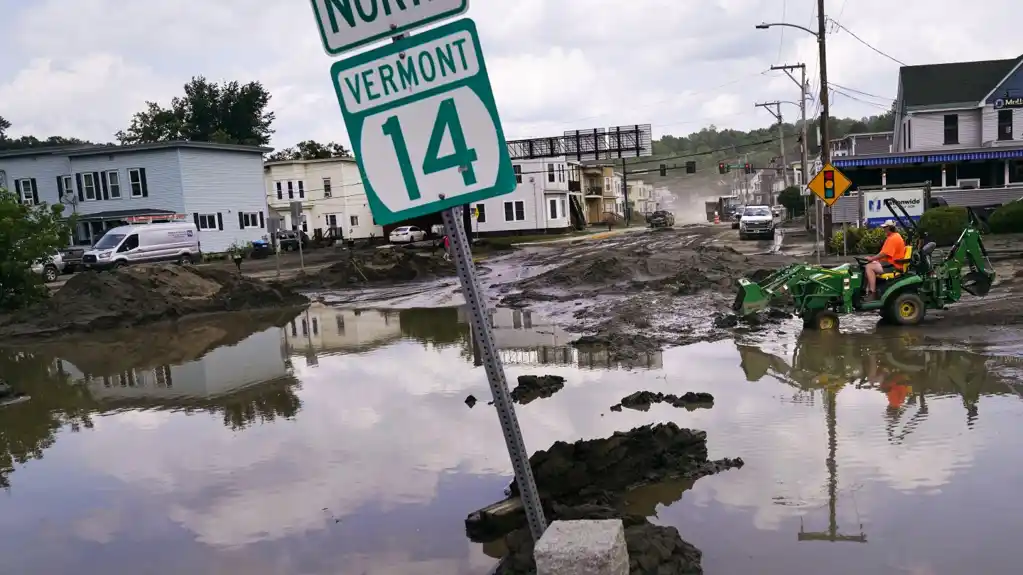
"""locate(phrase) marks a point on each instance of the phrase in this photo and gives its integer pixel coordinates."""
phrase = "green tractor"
(820, 294)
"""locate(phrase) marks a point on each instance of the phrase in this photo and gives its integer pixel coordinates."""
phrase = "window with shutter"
(301, 189)
(280, 192)
(291, 190)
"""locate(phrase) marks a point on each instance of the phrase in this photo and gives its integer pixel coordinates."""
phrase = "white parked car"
(51, 269)
(406, 235)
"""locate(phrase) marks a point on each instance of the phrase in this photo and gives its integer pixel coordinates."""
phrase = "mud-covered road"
(644, 290)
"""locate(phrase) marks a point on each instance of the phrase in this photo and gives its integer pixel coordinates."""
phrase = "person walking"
(447, 249)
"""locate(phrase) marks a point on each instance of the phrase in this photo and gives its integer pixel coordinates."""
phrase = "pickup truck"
(757, 221)
(51, 269)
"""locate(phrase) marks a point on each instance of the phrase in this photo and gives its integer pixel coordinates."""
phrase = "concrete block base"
(582, 548)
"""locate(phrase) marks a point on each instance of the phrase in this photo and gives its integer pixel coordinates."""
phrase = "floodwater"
(338, 442)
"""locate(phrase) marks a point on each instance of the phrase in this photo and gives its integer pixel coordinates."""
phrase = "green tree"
(29, 234)
(226, 113)
(793, 201)
(310, 150)
(23, 142)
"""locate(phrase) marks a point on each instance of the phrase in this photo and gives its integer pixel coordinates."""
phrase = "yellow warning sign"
(475, 213)
(829, 184)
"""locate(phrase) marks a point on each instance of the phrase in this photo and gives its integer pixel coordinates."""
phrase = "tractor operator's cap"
(888, 224)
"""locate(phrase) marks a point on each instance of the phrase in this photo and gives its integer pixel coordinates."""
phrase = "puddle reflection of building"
(255, 359)
(524, 338)
(324, 330)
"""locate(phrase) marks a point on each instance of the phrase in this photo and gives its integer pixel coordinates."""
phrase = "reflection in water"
(891, 362)
(198, 451)
(230, 365)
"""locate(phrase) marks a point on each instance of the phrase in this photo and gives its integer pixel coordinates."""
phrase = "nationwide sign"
(348, 24)
(1008, 103)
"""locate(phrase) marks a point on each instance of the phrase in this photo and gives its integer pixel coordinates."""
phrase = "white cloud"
(555, 65)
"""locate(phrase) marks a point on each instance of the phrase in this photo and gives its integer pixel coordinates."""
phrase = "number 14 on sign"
(461, 158)
(423, 123)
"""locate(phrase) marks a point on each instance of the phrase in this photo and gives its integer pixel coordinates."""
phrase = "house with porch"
(334, 202)
(959, 127)
(218, 186)
(602, 192)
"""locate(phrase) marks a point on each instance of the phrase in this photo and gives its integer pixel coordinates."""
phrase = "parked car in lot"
(757, 221)
(661, 219)
(406, 235)
(50, 269)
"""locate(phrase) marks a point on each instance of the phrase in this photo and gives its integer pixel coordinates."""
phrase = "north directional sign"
(829, 184)
(423, 123)
(348, 24)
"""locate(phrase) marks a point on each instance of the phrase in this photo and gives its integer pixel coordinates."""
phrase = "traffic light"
(749, 169)
(691, 167)
(722, 168)
(829, 184)
(664, 170)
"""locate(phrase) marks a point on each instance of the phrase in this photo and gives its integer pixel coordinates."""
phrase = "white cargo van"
(144, 243)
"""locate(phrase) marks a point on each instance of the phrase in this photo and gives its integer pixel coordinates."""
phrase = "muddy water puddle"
(338, 442)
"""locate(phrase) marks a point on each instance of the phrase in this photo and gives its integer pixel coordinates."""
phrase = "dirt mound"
(682, 271)
(642, 400)
(143, 294)
(580, 472)
(385, 265)
(588, 480)
(533, 387)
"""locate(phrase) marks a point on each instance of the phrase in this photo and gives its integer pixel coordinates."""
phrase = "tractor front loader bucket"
(750, 298)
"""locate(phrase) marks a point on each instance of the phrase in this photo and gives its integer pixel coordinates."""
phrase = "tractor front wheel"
(906, 309)
(824, 320)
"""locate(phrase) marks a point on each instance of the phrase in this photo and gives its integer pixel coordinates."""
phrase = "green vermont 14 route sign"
(423, 123)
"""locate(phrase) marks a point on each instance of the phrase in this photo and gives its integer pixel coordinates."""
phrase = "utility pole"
(776, 112)
(803, 89)
(825, 111)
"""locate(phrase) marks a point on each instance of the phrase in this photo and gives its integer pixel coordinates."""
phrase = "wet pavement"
(338, 442)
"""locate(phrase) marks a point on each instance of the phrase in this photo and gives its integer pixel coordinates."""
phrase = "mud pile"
(385, 265)
(652, 548)
(589, 479)
(533, 387)
(684, 270)
(642, 400)
(143, 294)
(587, 471)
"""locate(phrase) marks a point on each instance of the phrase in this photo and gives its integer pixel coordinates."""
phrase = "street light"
(765, 26)
(825, 109)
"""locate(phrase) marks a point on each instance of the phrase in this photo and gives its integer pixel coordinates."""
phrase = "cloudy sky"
(82, 67)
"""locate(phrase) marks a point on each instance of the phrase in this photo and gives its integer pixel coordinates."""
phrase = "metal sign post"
(425, 131)
(462, 257)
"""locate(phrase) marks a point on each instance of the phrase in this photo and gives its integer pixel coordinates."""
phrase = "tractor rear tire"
(824, 320)
(906, 309)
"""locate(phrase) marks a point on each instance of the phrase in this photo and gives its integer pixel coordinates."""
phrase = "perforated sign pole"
(461, 255)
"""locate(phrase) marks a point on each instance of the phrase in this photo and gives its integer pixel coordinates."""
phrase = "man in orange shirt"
(894, 249)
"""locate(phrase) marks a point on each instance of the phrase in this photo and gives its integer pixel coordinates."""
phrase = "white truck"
(756, 222)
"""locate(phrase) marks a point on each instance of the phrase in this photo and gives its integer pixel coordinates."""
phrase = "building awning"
(881, 161)
(125, 214)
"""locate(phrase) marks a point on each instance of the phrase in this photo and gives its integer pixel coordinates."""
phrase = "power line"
(861, 92)
(865, 43)
(851, 97)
